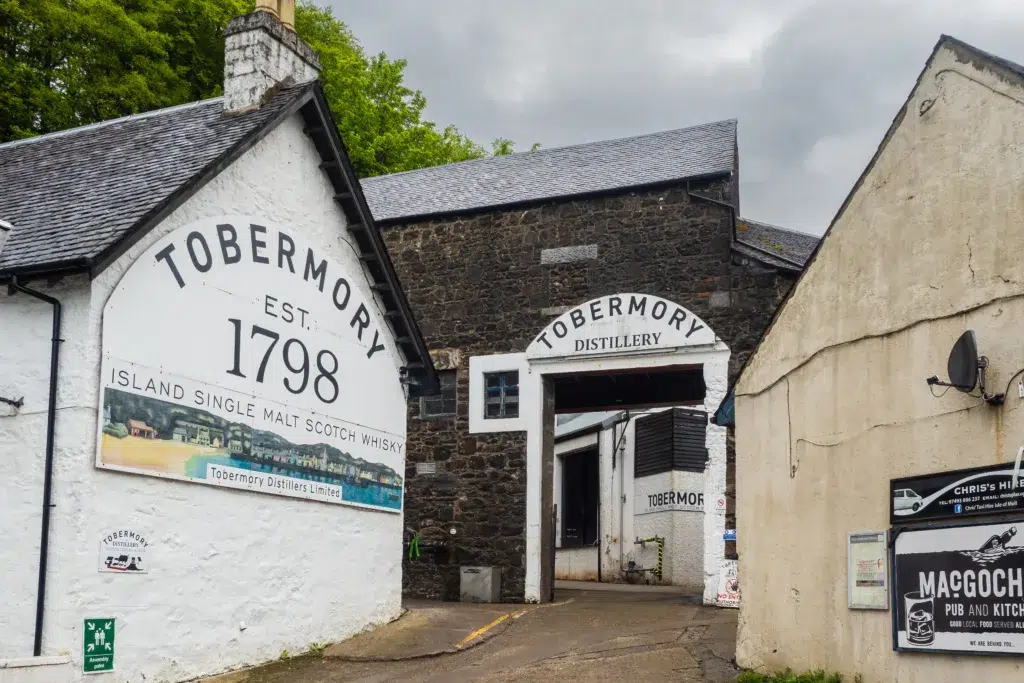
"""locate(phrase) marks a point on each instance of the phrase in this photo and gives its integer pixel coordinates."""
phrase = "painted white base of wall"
(36, 670)
(576, 564)
(683, 531)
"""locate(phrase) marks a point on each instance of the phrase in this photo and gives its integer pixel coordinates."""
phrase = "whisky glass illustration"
(920, 611)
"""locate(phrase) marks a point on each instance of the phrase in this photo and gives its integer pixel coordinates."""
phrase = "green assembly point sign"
(99, 645)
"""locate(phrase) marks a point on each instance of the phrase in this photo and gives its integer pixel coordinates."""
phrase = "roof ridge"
(109, 122)
(548, 150)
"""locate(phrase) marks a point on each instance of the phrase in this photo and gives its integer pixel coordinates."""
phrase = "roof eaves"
(34, 271)
(768, 258)
(553, 199)
(611, 419)
(323, 131)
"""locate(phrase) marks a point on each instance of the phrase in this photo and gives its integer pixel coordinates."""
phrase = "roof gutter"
(51, 419)
(24, 274)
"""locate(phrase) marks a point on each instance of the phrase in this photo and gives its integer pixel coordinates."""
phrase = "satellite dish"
(962, 366)
(966, 369)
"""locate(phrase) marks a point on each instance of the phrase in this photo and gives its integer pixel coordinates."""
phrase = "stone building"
(493, 250)
(911, 570)
(150, 265)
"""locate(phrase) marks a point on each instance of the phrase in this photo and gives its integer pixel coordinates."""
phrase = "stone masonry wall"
(483, 284)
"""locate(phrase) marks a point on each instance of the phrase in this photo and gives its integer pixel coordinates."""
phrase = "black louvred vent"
(671, 440)
(689, 431)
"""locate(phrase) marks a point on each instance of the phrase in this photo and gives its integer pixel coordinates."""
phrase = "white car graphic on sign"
(906, 499)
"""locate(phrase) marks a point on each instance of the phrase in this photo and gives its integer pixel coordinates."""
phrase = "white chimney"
(263, 51)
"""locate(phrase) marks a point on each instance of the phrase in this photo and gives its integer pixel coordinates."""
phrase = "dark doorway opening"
(642, 388)
(580, 498)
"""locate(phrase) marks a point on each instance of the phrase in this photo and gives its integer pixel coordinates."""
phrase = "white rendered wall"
(292, 571)
(683, 531)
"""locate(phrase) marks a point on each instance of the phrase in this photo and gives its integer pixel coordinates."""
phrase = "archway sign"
(619, 324)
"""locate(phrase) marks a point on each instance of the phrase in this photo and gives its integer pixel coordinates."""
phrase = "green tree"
(503, 146)
(66, 63)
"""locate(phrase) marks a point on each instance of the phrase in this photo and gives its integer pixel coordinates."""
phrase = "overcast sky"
(813, 83)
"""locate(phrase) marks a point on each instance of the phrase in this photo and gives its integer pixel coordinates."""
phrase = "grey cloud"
(813, 83)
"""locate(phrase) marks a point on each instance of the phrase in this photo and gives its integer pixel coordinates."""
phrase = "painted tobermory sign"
(620, 323)
(962, 493)
(665, 501)
(960, 589)
(124, 551)
(98, 646)
(237, 354)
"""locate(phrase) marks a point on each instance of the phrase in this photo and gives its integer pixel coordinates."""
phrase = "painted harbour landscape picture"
(148, 434)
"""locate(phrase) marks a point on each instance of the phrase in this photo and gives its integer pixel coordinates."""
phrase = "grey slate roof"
(73, 194)
(774, 245)
(558, 172)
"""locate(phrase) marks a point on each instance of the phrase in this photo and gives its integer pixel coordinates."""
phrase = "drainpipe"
(616, 445)
(51, 418)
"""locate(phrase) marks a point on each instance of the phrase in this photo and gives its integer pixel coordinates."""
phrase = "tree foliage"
(503, 146)
(66, 63)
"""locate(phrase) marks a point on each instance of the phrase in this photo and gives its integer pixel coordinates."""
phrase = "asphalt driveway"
(585, 635)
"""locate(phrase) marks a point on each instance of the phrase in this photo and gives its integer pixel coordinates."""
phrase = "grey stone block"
(719, 300)
(480, 584)
(583, 252)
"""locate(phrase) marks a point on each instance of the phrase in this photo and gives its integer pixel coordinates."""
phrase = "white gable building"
(204, 369)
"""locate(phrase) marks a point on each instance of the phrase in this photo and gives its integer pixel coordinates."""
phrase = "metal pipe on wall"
(617, 444)
(51, 420)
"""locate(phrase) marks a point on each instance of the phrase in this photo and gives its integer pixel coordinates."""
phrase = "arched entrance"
(618, 352)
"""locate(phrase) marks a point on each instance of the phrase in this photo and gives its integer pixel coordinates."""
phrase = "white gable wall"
(235, 577)
(834, 404)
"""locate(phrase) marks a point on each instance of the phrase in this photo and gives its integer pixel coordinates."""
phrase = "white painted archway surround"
(617, 332)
